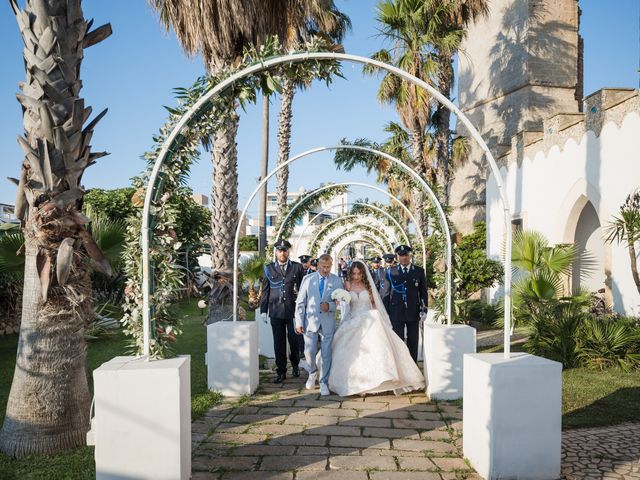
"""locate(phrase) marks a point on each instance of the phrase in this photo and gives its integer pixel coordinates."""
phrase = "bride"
(368, 357)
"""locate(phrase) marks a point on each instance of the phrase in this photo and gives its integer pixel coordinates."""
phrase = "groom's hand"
(300, 330)
(324, 307)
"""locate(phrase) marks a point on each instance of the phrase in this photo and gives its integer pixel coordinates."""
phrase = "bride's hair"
(363, 276)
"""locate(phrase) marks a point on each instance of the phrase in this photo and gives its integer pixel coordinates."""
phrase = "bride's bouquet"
(341, 295)
(343, 298)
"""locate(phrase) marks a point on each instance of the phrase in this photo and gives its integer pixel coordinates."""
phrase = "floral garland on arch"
(341, 222)
(166, 277)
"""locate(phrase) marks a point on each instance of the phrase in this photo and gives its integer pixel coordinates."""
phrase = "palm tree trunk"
(224, 203)
(262, 214)
(48, 406)
(417, 151)
(284, 140)
(443, 116)
(634, 262)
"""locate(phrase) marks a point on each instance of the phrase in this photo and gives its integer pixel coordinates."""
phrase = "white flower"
(341, 295)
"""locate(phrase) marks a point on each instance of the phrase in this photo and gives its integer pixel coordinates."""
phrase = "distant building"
(335, 207)
(201, 199)
(7, 214)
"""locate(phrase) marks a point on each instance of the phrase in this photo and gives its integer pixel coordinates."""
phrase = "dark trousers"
(282, 329)
(413, 330)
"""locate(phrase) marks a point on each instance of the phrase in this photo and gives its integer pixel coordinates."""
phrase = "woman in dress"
(368, 357)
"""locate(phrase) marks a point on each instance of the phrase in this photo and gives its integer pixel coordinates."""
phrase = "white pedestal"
(512, 422)
(265, 336)
(445, 347)
(142, 424)
(232, 357)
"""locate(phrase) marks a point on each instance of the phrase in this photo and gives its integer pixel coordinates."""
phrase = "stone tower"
(521, 64)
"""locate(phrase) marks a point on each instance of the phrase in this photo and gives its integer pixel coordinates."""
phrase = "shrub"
(554, 327)
(609, 343)
(248, 243)
(477, 311)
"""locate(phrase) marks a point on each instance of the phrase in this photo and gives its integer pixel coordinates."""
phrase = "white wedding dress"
(367, 355)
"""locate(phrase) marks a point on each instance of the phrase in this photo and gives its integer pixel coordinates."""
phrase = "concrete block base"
(232, 358)
(142, 423)
(265, 336)
(444, 350)
(512, 416)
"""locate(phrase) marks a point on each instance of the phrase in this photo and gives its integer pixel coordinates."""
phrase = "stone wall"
(551, 175)
(517, 67)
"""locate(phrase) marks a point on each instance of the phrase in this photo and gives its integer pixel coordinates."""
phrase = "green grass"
(594, 398)
(78, 463)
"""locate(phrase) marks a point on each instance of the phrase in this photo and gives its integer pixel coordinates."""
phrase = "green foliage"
(248, 243)
(110, 204)
(625, 228)
(11, 260)
(477, 311)
(610, 343)
(169, 189)
(473, 269)
(554, 328)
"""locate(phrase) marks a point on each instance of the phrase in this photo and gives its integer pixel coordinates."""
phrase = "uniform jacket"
(399, 308)
(278, 298)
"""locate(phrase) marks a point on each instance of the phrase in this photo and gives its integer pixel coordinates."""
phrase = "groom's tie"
(321, 286)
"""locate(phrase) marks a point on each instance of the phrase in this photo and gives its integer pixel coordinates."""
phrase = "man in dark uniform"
(376, 271)
(406, 298)
(279, 290)
(313, 265)
(305, 260)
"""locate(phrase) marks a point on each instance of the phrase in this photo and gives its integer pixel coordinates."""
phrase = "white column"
(512, 416)
(142, 423)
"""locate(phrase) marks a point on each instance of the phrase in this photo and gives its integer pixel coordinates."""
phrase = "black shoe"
(295, 371)
(279, 378)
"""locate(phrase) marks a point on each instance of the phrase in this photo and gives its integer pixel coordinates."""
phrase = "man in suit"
(405, 298)
(389, 261)
(280, 287)
(376, 271)
(315, 316)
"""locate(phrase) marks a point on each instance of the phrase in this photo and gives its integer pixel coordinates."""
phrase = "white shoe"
(311, 381)
(324, 389)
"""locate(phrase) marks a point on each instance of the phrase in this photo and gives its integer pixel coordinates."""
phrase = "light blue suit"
(316, 322)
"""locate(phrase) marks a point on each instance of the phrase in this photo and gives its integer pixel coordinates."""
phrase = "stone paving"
(287, 432)
(595, 453)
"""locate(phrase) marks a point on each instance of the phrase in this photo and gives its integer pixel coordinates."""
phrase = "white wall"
(555, 183)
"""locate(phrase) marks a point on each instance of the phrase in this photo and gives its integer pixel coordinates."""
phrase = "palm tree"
(220, 30)
(406, 29)
(252, 270)
(320, 18)
(626, 228)
(48, 406)
(450, 34)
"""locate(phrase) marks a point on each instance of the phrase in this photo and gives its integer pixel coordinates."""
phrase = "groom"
(315, 316)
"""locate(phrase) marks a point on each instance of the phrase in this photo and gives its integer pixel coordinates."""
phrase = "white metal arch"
(204, 103)
(367, 205)
(384, 192)
(352, 237)
(355, 235)
(338, 219)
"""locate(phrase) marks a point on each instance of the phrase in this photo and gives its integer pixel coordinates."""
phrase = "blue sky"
(133, 73)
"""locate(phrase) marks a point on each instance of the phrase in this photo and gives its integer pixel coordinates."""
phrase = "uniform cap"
(282, 245)
(403, 249)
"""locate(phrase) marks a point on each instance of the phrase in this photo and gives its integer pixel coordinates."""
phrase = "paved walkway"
(594, 453)
(287, 432)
